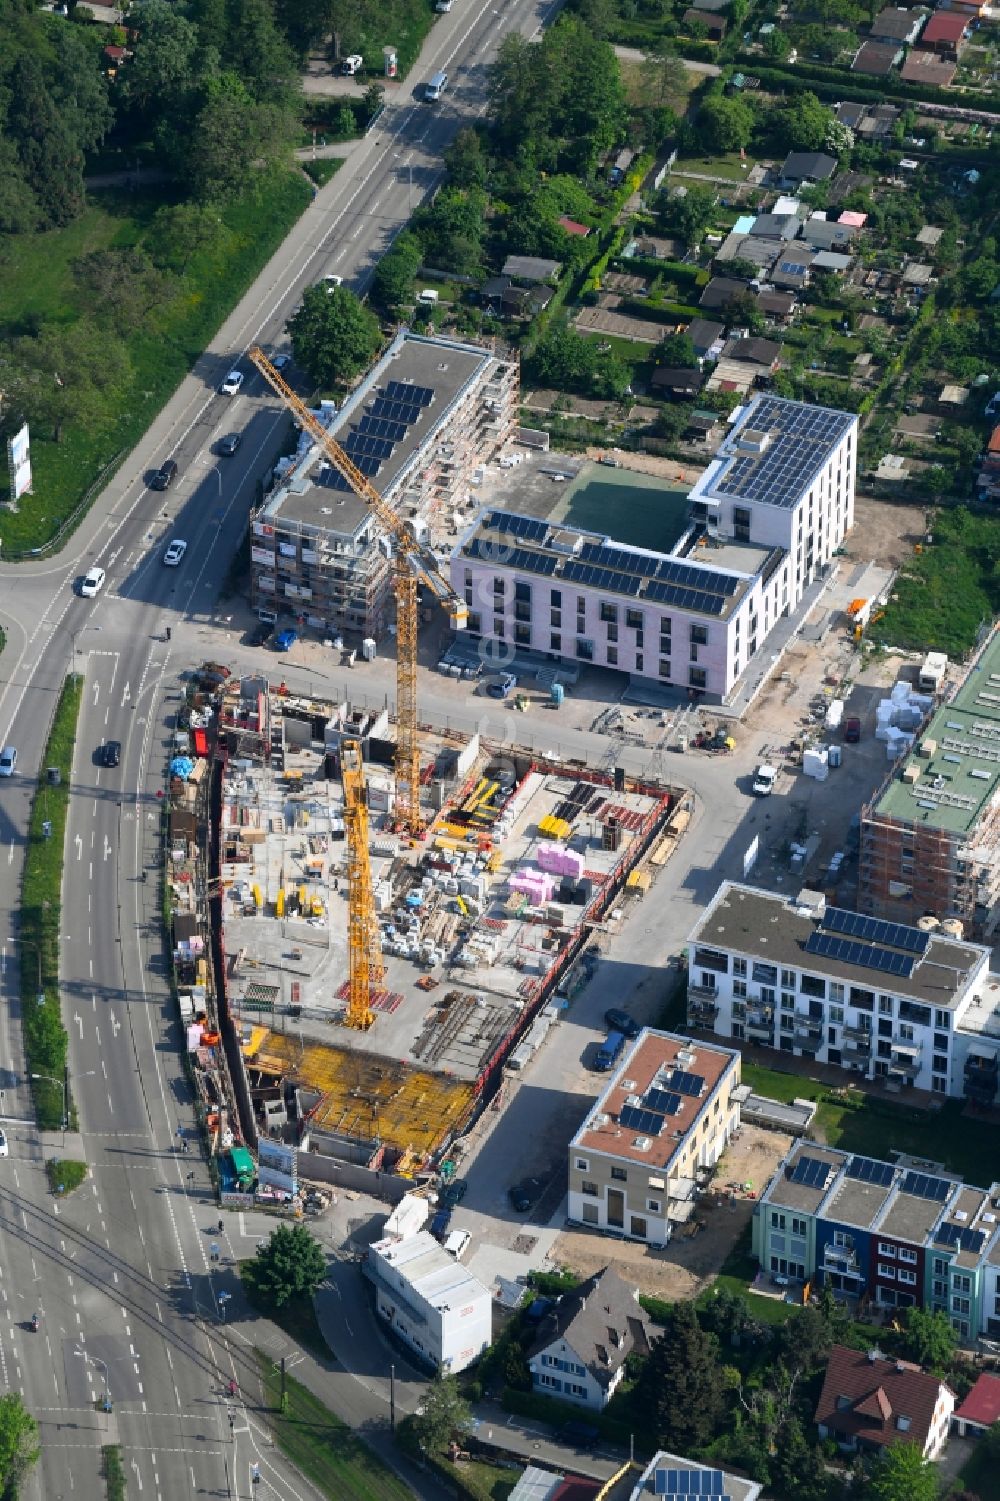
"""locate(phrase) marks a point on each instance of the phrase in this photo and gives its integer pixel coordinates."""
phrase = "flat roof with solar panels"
(774, 452)
(868, 952)
(382, 426)
(657, 1095)
(552, 550)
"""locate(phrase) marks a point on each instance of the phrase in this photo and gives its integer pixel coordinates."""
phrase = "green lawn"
(482, 1480)
(325, 1450)
(36, 284)
(323, 168)
(875, 1126)
(942, 595)
(727, 165)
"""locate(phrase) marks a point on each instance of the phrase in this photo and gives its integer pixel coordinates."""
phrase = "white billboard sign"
(19, 460)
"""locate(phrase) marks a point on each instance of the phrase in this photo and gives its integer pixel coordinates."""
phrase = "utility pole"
(392, 1398)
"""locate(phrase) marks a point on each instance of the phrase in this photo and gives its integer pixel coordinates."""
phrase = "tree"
(333, 335)
(688, 214)
(231, 133)
(165, 54)
(663, 81)
(805, 122)
(258, 54)
(291, 1265)
(725, 124)
(19, 211)
(798, 1471)
(122, 284)
(451, 228)
(392, 284)
(804, 1341)
(466, 160)
(183, 230)
(677, 351)
(445, 1415)
(776, 45)
(839, 138)
(928, 1338)
(304, 22)
(678, 1393)
(73, 370)
(18, 1442)
(51, 161)
(901, 1474)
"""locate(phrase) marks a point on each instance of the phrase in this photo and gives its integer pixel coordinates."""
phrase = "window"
(740, 989)
(810, 985)
(522, 635)
(960, 1305)
(555, 642)
(909, 1278)
(940, 1266)
(620, 1173)
(837, 1015)
(712, 959)
(498, 585)
(581, 1164)
(697, 677)
(886, 1250)
(638, 661)
(739, 967)
(940, 1063)
(522, 592)
(777, 1220)
(885, 1005)
(765, 974)
(941, 1041)
(903, 1423)
(699, 635)
(590, 1189)
(552, 1382)
(498, 625)
(665, 626)
(836, 991)
(612, 656)
(798, 1227)
(609, 612)
(612, 633)
(961, 1284)
(788, 978)
(555, 597)
(638, 1227)
(664, 668)
(906, 1255)
(584, 649)
(942, 1019)
(654, 1205)
(634, 619)
(555, 617)
(889, 1272)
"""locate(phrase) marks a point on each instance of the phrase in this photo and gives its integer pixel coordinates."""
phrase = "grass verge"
(114, 1472)
(37, 286)
(322, 1447)
(297, 1318)
(45, 1037)
(857, 1122)
(64, 1174)
(323, 168)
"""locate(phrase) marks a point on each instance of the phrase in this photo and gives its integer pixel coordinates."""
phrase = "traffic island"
(64, 1175)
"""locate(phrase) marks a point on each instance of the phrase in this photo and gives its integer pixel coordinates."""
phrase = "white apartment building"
(431, 1301)
(663, 1120)
(876, 998)
(765, 519)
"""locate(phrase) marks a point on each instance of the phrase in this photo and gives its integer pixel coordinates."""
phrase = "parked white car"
(232, 383)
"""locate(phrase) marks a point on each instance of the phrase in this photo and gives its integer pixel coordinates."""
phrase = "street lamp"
(79, 630)
(96, 1360)
(63, 1084)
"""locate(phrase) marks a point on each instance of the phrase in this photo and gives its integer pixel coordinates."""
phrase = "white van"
(457, 1243)
(436, 87)
(428, 297)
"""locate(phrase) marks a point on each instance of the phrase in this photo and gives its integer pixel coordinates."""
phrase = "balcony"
(808, 1029)
(760, 1024)
(841, 1259)
(702, 1005)
(863, 1034)
(904, 1063)
(856, 1056)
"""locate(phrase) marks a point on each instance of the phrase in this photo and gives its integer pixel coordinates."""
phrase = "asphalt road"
(122, 1271)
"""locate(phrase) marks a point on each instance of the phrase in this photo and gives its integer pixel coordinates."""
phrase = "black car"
(620, 1021)
(523, 1195)
(453, 1193)
(228, 445)
(258, 635)
(111, 753)
(164, 476)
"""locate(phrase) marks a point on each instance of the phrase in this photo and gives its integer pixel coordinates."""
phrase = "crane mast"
(413, 562)
(362, 923)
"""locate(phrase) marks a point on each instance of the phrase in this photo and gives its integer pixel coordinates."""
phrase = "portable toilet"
(558, 694)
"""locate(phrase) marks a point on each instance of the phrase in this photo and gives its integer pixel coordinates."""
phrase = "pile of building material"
(816, 762)
(898, 718)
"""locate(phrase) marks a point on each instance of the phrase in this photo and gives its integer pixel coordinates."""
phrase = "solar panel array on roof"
(618, 557)
(672, 1484)
(402, 390)
(690, 577)
(801, 438)
(646, 1122)
(520, 558)
(962, 1238)
(396, 411)
(367, 445)
(685, 1083)
(852, 951)
(923, 1186)
(381, 427)
(602, 578)
(810, 1171)
(870, 1170)
(893, 935)
(528, 528)
(685, 599)
(666, 1100)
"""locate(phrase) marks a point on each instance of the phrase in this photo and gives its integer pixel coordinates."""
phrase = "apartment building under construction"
(419, 425)
(930, 839)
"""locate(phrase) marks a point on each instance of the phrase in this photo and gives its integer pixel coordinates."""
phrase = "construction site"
(470, 936)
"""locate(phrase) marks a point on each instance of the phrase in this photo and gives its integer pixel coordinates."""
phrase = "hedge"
(676, 270)
(836, 83)
(551, 1410)
(45, 1038)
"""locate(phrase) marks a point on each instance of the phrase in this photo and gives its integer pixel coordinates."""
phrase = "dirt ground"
(885, 532)
(690, 1262)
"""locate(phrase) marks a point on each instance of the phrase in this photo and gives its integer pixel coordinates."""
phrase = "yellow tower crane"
(364, 954)
(413, 563)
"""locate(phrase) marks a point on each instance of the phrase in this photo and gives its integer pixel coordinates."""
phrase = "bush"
(64, 1174)
(45, 1037)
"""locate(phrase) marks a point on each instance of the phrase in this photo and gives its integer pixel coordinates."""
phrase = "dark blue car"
(285, 640)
